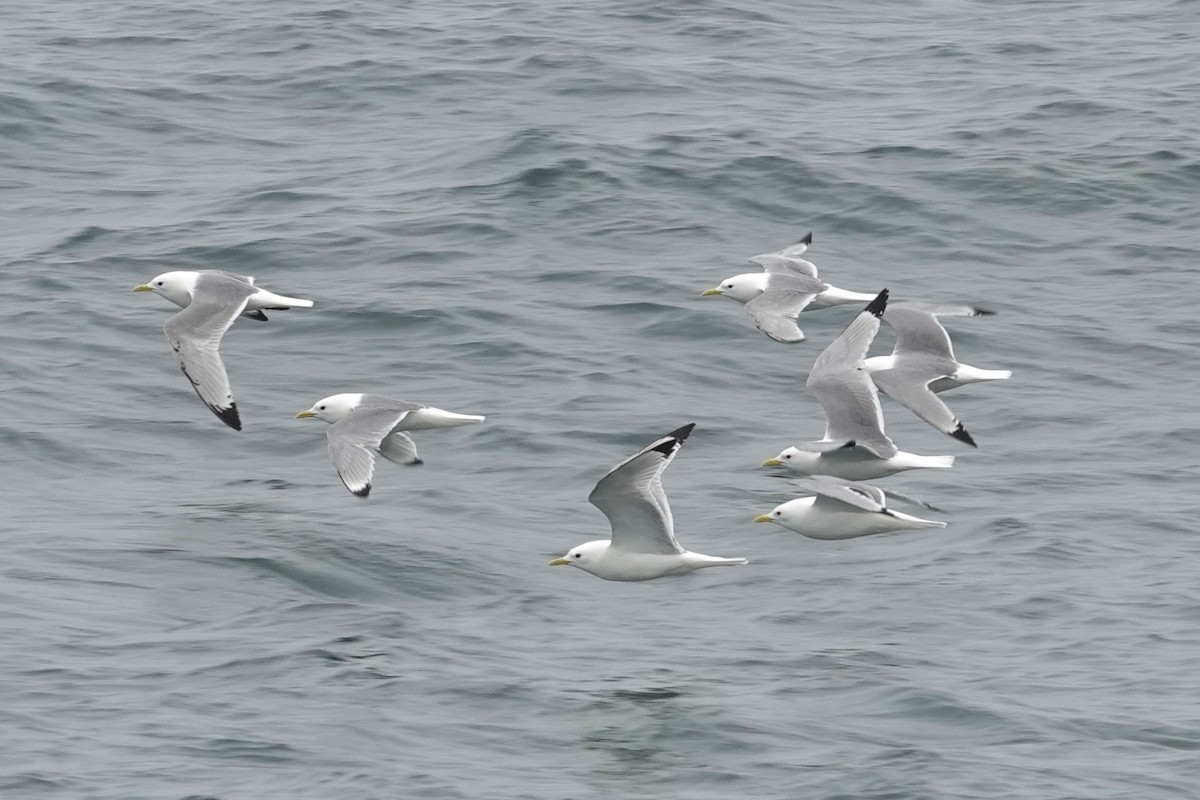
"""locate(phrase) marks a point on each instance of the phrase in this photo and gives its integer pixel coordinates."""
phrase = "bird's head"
(583, 556)
(175, 286)
(742, 288)
(332, 408)
(791, 457)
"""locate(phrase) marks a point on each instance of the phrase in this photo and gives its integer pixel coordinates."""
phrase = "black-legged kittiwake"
(922, 363)
(788, 260)
(643, 544)
(211, 301)
(855, 446)
(840, 509)
(366, 424)
(787, 285)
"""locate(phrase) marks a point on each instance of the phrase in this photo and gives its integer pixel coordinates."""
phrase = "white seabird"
(211, 301)
(788, 260)
(855, 446)
(366, 424)
(787, 285)
(643, 544)
(842, 509)
(922, 363)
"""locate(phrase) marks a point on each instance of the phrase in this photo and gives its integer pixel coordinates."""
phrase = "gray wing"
(790, 253)
(195, 337)
(909, 386)
(246, 279)
(355, 463)
(257, 314)
(799, 248)
(918, 332)
(858, 495)
(399, 448)
(908, 498)
(845, 390)
(775, 310)
(774, 262)
(795, 282)
(632, 497)
(354, 440)
(946, 310)
(850, 347)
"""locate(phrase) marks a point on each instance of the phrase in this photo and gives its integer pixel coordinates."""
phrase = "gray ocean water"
(511, 209)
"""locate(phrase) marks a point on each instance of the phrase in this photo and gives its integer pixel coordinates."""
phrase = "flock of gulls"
(855, 448)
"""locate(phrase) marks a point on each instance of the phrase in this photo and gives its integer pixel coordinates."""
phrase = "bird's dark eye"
(579, 555)
(729, 286)
(160, 283)
(320, 408)
(778, 513)
(788, 457)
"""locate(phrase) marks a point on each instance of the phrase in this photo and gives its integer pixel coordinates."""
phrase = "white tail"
(833, 296)
(264, 299)
(717, 561)
(935, 462)
(915, 522)
(430, 417)
(903, 460)
(968, 374)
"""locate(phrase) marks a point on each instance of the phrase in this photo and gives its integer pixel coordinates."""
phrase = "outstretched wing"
(354, 440)
(773, 262)
(775, 310)
(632, 497)
(913, 392)
(852, 493)
(845, 389)
(788, 259)
(918, 332)
(195, 338)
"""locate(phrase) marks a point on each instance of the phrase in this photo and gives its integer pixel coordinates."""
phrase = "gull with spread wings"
(643, 544)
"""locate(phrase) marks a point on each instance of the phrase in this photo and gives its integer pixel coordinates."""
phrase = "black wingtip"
(674, 439)
(258, 315)
(961, 434)
(877, 306)
(363, 492)
(682, 433)
(807, 239)
(229, 416)
(984, 312)
(850, 443)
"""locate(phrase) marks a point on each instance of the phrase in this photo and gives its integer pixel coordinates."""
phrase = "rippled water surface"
(511, 210)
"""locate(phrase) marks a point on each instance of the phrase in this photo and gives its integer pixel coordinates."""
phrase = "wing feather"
(195, 337)
(844, 388)
(632, 497)
(775, 310)
(354, 440)
(852, 493)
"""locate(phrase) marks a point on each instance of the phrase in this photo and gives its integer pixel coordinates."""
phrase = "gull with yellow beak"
(842, 509)
(211, 301)
(922, 364)
(643, 544)
(855, 446)
(787, 285)
(854, 463)
(368, 424)
(180, 287)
